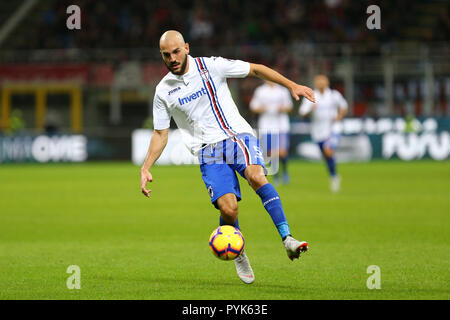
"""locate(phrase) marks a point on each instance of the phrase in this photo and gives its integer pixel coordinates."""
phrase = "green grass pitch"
(395, 215)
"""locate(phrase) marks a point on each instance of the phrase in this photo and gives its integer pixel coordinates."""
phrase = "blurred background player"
(329, 108)
(272, 103)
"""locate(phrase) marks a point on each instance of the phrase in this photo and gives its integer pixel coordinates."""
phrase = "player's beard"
(182, 69)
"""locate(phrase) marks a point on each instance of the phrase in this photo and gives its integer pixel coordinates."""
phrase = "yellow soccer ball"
(226, 242)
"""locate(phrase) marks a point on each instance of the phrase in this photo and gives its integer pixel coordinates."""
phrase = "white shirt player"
(200, 102)
(322, 117)
(272, 98)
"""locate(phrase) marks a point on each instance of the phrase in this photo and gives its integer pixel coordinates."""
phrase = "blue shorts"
(332, 142)
(274, 141)
(219, 161)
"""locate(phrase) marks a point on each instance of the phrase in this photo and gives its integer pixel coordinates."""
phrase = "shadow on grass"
(178, 283)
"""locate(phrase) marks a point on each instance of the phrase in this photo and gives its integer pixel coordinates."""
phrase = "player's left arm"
(266, 73)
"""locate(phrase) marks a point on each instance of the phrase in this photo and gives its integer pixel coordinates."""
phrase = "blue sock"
(236, 223)
(271, 201)
(331, 163)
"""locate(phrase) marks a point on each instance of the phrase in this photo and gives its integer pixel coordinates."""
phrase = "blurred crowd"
(279, 33)
(213, 23)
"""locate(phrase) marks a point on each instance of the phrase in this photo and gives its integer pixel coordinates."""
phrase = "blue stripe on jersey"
(210, 101)
(217, 99)
(235, 146)
(216, 107)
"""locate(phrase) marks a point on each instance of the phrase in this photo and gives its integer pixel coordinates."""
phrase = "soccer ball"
(226, 242)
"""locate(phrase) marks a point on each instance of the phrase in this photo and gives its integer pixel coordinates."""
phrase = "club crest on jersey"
(205, 75)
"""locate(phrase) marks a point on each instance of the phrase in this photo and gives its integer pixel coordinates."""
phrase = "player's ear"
(186, 47)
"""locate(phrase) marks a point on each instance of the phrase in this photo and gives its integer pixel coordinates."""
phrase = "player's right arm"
(157, 144)
(161, 124)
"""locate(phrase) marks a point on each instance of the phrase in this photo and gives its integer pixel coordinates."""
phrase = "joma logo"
(174, 90)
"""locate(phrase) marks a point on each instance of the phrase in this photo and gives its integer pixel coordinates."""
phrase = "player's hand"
(299, 90)
(146, 176)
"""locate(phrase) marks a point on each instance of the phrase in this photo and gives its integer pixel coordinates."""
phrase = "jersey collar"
(191, 71)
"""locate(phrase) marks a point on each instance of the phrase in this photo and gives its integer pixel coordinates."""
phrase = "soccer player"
(196, 95)
(273, 103)
(330, 107)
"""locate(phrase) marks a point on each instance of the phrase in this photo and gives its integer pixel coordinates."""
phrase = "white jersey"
(200, 102)
(272, 98)
(322, 117)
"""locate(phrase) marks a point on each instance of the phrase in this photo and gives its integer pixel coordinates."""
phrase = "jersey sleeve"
(305, 107)
(161, 115)
(340, 100)
(228, 68)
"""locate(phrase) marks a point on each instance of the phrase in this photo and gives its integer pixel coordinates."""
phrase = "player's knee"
(283, 153)
(256, 179)
(228, 207)
(229, 211)
(328, 152)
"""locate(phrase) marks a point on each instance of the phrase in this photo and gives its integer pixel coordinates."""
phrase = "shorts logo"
(211, 192)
